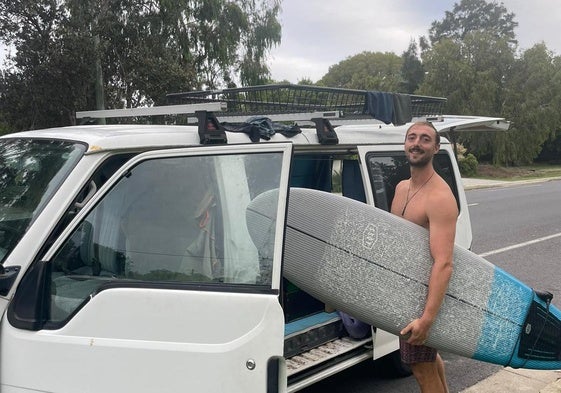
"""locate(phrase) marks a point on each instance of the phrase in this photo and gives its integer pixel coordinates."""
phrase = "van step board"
(322, 354)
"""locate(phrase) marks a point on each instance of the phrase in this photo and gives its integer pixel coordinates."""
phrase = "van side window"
(98, 179)
(312, 171)
(172, 221)
(386, 170)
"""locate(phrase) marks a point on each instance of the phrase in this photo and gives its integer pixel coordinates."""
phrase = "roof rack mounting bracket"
(325, 132)
(211, 132)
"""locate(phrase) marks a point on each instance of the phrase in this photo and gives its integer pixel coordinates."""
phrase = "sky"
(317, 34)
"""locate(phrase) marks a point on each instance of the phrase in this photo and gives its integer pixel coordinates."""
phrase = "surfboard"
(375, 266)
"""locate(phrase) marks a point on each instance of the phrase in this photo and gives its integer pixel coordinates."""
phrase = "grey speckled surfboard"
(375, 266)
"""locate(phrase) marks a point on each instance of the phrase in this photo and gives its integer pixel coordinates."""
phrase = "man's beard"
(422, 162)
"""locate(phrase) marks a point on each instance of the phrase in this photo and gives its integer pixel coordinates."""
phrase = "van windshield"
(31, 170)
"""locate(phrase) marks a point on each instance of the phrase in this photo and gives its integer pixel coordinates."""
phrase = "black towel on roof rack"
(262, 127)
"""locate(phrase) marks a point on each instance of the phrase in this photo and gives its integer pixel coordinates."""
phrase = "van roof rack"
(285, 100)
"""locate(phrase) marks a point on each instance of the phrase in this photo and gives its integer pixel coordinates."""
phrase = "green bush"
(468, 165)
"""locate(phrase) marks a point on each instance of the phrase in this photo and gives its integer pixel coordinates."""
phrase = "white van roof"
(142, 136)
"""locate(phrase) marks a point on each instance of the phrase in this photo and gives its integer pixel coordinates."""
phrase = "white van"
(127, 265)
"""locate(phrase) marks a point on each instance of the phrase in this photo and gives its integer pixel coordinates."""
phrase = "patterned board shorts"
(411, 354)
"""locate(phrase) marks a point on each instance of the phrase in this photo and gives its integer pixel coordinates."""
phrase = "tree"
(412, 71)
(472, 74)
(48, 79)
(532, 103)
(551, 150)
(448, 74)
(471, 16)
(146, 48)
(366, 71)
(469, 61)
(303, 81)
(476, 41)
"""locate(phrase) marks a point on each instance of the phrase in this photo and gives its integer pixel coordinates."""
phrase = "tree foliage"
(146, 48)
(532, 104)
(469, 16)
(378, 71)
(48, 75)
(472, 49)
(472, 73)
(471, 58)
(470, 61)
(366, 71)
(412, 70)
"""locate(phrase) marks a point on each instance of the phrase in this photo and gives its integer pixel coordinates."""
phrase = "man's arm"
(442, 213)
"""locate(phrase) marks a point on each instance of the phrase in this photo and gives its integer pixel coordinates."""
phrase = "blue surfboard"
(375, 266)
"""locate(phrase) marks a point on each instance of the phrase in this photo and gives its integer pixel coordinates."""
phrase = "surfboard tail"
(539, 345)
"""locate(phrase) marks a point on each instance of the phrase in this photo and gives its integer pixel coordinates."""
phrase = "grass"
(485, 171)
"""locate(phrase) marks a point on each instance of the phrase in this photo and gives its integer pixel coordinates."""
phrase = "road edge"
(510, 380)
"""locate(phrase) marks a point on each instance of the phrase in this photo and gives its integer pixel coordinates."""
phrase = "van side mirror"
(7, 277)
(30, 305)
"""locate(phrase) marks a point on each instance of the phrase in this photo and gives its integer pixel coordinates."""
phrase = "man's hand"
(417, 332)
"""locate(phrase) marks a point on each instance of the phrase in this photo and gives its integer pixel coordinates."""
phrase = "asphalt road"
(526, 220)
(518, 228)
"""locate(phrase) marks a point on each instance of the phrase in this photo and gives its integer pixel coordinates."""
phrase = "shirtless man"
(426, 199)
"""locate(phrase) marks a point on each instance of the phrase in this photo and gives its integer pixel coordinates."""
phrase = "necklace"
(408, 199)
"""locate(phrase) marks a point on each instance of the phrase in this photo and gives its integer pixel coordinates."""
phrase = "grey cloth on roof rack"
(262, 127)
(389, 107)
(380, 105)
(401, 109)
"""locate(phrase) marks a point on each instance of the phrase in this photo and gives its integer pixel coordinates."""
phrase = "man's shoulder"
(442, 200)
(403, 183)
(443, 187)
